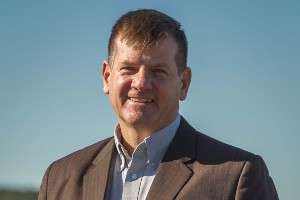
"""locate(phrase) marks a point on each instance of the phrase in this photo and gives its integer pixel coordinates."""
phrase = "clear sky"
(244, 55)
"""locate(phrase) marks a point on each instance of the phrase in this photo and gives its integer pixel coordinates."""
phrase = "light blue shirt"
(134, 175)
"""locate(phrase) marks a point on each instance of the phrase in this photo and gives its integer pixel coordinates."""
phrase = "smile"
(141, 100)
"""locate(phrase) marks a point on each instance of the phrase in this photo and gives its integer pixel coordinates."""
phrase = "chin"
(139, 120)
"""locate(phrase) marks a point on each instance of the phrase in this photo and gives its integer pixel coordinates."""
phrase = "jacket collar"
(97, 179)
(173, 172)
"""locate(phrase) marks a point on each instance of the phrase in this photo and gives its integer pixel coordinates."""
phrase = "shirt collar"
(122, 152)
(156, 143)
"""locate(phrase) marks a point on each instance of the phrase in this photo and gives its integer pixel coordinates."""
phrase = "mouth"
(140, 100)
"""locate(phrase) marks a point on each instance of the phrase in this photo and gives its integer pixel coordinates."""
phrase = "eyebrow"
(154, 65)
(160, 65)
(128, 63)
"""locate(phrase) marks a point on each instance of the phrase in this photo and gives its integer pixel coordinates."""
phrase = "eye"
(160, 72)
(127, 70)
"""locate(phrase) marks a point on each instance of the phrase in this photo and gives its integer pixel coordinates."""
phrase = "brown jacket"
(195, 166)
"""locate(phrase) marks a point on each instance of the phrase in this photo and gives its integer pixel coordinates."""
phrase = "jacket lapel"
(173, 173)
(95, 181)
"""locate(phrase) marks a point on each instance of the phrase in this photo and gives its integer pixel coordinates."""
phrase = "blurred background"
(244, 55)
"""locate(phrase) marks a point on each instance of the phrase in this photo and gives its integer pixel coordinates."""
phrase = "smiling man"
(144, 86)
(155, 153)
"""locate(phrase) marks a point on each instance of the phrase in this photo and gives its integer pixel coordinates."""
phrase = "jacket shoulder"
(80, 159)
(210, 149)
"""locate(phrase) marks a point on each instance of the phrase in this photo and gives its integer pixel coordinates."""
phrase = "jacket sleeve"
(255, 182)
(44, 185)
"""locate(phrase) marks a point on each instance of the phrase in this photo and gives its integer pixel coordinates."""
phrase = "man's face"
(144, 86)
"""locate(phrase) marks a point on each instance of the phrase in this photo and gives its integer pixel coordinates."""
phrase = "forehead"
(163, 51)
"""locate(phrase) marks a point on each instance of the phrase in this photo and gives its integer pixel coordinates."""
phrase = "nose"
(142, 80)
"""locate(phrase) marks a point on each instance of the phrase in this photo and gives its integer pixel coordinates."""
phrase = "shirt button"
(134, 176)
(153, 165)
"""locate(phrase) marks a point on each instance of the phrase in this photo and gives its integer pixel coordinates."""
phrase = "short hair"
(145, 28)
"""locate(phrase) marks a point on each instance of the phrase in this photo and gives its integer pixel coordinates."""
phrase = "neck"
(132, 137)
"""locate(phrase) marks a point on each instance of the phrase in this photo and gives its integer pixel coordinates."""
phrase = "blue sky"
(244, 55)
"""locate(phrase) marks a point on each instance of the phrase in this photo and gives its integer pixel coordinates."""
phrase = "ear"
(186, 78)
(106, 72)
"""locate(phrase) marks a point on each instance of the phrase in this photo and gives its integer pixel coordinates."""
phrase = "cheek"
(121, 86)
(169, 92)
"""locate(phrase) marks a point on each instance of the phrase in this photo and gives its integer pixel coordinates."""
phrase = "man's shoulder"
(81, 158)
(211, 149)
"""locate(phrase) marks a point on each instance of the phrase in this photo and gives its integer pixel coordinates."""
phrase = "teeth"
(141, 100)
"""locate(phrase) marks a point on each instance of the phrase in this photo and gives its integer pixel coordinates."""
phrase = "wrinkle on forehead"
(146, 55)
(165, 52)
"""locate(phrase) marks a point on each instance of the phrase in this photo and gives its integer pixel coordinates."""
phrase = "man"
(155, 153)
